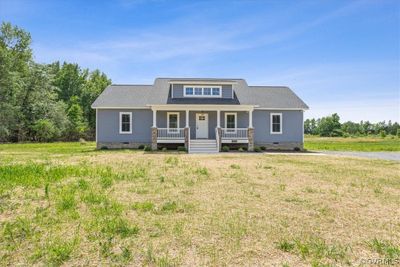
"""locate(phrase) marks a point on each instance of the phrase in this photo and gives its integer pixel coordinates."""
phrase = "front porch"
(209, 125)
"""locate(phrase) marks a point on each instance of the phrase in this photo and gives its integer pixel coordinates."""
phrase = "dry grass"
(133, 208)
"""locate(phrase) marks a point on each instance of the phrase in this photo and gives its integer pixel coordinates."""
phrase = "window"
(198, 91)
(202, 91)
(125, 122)
(216, 91)
(189, 91)
(276, 123)
(173, 121)
(230, 122)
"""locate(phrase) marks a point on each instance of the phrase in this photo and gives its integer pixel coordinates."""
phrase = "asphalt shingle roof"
(124, 96)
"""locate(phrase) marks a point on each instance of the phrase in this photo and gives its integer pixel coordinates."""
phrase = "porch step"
(203, 146)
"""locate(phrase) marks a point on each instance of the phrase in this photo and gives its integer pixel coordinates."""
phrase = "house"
(201, 114)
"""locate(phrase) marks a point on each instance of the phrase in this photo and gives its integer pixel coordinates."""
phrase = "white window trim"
(120, 122)
(226, 121)
(270, 123)
(177, 117)
(202, 91)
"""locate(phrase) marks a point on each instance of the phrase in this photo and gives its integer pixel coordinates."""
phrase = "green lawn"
(352, 143)
(68, 204)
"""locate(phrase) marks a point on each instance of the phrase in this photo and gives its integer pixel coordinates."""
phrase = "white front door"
(201, 125)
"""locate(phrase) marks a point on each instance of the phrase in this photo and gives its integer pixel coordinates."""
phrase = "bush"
(164, 149)
(44, 130)
(181, 148)
(263, 148)
(297, 149)
(225, 149)
(257, 149)
(240, 149)
(398, 133)
(82, 141)
(383, 134)
(141, 147)
(147, 148)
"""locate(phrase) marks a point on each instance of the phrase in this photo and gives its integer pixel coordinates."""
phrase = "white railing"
(188, 148)
(234, 133)
(170, 133)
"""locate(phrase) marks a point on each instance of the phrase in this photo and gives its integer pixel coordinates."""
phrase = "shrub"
(297, 149)
(257, 149)
(147, 148)
(383, 134)
(141, 147)
(225, 149)
(164, 149)
(263, 148)
(181, 148)
(398, 133)
(104, 148)
(240, 149)
(82, 141)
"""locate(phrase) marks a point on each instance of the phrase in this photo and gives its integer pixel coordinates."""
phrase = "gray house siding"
(292, 129)
(242, 118)
(162, 119)
(177, 91)
(108, 128)
(212, 123)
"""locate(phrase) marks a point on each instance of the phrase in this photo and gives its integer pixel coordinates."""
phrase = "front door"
(201, 125)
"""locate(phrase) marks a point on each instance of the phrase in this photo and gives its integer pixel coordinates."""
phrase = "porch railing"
(170, 133)
(234, 133)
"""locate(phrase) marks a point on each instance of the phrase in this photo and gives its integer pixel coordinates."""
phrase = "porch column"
(250, 132)
(251, 118)
(218, 118)
(219, 130)
(186, 130)
(154, 131)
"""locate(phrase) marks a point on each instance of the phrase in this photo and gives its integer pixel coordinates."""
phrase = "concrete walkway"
(371, 155)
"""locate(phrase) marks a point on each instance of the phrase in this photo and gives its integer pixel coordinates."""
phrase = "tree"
(15, 58)
(330, 126)
(77, 126)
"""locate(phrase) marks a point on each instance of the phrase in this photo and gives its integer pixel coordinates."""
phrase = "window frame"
(173, 130)
(226, 122)
(202, 91)
(272, 122)
(120, 122)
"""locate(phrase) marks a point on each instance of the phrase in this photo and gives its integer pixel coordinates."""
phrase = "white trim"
(203, 107)
(177, 117)
(202, 91)
(120, 122)
(270, 123)
(187, 118)
(172, 91)
(303, 128)
(225, 122)
(96, 124)
(232, 91)
(218, 118)
(154, 118)
(258, 108)
(146, 107)
(251, 119)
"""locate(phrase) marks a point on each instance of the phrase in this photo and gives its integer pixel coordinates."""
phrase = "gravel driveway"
(372, 155)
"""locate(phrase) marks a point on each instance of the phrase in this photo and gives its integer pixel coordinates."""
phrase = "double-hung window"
(173, 121)
(125, 122)
(230, 122)
(276, 123)
(188, 91)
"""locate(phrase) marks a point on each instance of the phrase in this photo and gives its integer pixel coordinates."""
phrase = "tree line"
(331, 126)
(43, 102)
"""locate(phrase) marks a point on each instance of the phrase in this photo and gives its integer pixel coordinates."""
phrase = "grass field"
(352, 143)
(65, 203)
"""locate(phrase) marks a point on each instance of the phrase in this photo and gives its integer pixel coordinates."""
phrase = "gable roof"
(128, 96)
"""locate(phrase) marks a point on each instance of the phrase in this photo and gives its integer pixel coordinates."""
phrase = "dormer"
(202, 88)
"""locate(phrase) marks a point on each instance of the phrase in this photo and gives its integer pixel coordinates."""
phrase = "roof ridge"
(283, 86)
(198, 78)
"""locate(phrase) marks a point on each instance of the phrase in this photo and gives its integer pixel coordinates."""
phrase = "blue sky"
(339, 56)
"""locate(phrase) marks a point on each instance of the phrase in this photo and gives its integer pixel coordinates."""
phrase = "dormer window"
(202, 91)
